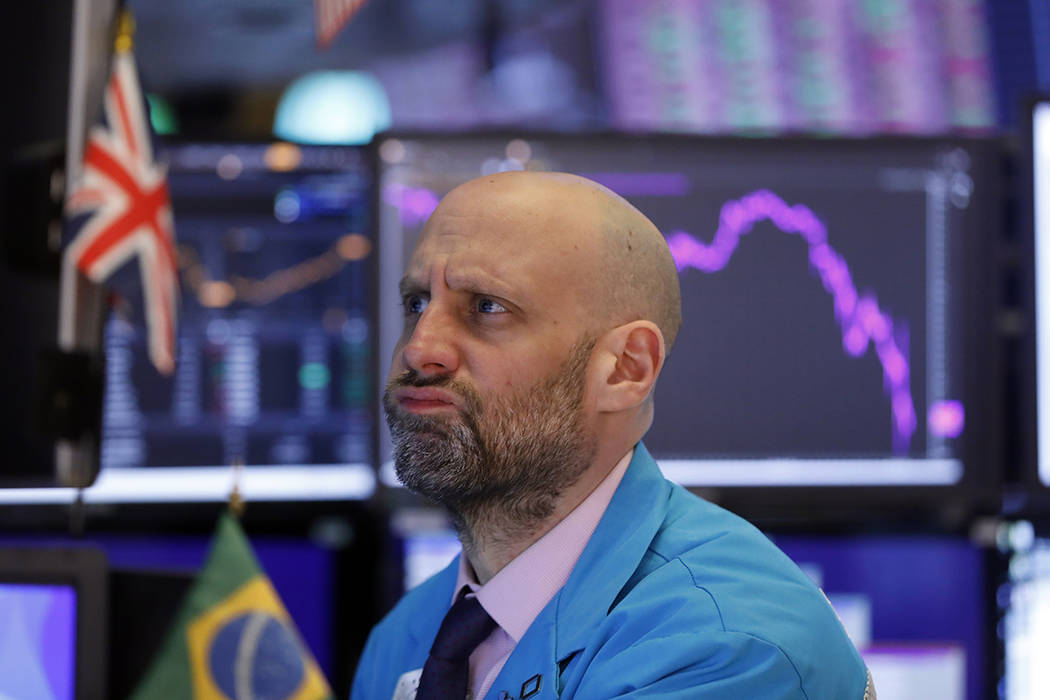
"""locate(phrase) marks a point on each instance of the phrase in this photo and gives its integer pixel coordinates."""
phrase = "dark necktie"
(446, 672)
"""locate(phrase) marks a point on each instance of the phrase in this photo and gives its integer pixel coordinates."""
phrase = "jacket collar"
(614, 552)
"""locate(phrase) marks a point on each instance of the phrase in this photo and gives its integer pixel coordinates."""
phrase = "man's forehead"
(525, 277)
(512, 236)
(545, 217)
(463, 264)
(459, 269)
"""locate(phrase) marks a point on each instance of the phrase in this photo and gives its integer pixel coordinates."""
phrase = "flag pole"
(88, 15)
(236, 501)
(76, 132)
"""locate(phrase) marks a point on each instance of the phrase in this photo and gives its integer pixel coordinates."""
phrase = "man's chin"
(427, 481)
(426, 436)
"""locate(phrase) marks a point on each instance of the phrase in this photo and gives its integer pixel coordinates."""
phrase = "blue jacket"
(673, 597)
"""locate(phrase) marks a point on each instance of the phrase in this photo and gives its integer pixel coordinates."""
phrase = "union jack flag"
(126, 194)
(330, 16)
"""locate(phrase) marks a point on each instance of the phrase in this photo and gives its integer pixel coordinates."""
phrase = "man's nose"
(431, 350)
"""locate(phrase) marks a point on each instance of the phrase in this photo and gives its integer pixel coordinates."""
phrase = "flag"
(125, 194)
(232, 638)
(332, 15)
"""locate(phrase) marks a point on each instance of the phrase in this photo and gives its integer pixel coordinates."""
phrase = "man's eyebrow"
(471, 282)
(408, 285)
(479, 283)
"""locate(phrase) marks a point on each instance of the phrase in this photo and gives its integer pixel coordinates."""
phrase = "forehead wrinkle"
(477, 281)
(457, 275)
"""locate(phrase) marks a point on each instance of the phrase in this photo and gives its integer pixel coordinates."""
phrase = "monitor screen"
(53, 612)
(835, 294)
(274, 353)
(426, 552)
(39, 640)
(917, 671)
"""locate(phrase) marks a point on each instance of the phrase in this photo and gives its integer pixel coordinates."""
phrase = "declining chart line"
(858, 315)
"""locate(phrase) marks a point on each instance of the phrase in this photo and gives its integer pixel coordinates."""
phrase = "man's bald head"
(637, 271)
(618, 256)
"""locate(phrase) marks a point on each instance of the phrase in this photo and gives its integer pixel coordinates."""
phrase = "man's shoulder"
(721, 577)
(726, 558)
(720, 547)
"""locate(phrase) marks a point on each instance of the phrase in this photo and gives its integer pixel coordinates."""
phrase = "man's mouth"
(426, 400)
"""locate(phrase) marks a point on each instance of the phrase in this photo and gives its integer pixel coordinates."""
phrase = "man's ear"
(630, 358)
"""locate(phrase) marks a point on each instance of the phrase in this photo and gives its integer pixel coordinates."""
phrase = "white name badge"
(407, 685)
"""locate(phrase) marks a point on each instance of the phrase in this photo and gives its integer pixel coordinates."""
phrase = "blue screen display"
(37, 641)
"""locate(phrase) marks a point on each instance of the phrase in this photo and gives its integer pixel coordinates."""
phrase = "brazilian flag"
(233, 639)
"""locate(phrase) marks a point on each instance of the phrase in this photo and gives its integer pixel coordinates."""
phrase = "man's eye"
(490, 306)
(414, 303)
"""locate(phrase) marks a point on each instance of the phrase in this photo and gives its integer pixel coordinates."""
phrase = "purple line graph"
(860, 319)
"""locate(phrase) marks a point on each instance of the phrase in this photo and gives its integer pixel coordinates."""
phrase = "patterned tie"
(446, 672)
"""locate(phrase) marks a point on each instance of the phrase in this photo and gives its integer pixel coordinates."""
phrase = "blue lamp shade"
(332, 107)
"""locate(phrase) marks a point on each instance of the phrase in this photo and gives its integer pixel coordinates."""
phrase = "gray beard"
(507, 461)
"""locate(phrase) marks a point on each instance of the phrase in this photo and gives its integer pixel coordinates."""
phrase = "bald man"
(539, 309)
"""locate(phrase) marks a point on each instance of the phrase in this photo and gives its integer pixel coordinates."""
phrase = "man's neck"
(491, 540)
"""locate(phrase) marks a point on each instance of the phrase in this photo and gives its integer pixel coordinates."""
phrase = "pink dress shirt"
(521, 589)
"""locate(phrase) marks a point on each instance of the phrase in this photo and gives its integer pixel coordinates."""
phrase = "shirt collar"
(521, 589)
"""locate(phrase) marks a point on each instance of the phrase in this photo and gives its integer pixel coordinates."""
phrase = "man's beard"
(508, 458)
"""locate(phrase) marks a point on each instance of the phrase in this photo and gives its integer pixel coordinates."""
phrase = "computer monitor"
(53, 614)
(837, 301)
(274, 359)
(1032, 379)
